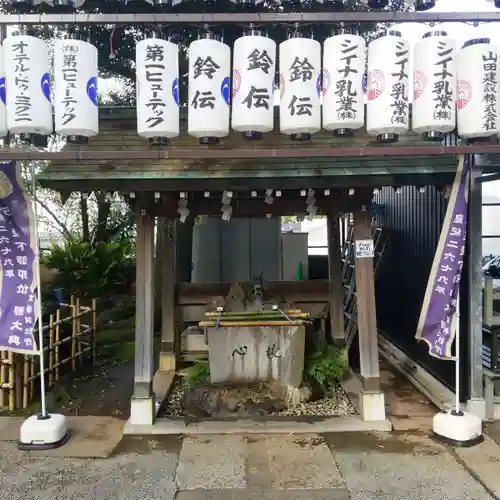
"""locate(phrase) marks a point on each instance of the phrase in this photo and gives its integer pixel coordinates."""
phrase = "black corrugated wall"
(412, 223)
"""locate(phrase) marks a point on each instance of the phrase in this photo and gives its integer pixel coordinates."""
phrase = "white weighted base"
(457, 429)
(43, 433)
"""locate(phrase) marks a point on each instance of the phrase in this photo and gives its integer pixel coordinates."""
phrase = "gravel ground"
(337, 403)
(173, 407)
(131, 475)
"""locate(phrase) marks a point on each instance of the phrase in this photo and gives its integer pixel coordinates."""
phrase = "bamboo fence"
(18, 372)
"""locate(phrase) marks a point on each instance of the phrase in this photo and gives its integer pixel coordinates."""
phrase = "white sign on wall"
(365, 249)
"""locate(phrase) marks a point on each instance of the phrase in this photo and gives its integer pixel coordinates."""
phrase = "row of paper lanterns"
(449, 91)
(452, 87)
(27, 103)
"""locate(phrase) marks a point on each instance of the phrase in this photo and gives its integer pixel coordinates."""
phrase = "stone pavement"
(341, 466)
(358, 466)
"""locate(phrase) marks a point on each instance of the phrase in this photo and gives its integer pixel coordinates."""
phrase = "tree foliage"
(91, 270)
(99, 218)
(116, 44)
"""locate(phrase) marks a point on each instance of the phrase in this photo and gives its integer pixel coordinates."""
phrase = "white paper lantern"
(3, 110)
(343, 96)
(254, 67)
(387, 87)
(434, 86)
(27, 79)
(157, 66)
(477, 88)
(300, 87)
(209, 89)
(76, 109)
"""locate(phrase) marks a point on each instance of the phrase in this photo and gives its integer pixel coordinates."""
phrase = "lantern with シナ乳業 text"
(342, 84)
(434, 86)
(387, 113)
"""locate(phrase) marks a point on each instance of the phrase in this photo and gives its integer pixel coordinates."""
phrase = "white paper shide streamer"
(300, 87)
(3, 110)
(387, 87)
(434, 86)
(209, 89)
(254, 67)
(157, 66)
(477, 88)
(27, 79)
(343, 96)
(76, 109)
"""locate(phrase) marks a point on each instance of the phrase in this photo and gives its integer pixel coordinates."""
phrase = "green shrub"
(326, 366)
(197, 374)
(91, 270)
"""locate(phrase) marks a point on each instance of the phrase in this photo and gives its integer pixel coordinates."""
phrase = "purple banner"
(437, 323)
(18, 263)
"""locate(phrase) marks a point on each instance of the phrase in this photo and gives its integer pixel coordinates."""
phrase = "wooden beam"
(244, 18)
(219, 154)
(189, 180)
(144, 309)
(365, 292)
(167, 204)
(336, 298)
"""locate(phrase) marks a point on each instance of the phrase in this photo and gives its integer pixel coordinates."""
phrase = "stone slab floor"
(362, 466)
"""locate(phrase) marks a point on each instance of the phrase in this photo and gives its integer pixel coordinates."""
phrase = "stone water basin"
(253, 354)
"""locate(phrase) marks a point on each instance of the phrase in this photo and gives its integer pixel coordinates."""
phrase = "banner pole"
(43, 431)
(457, 357)
(43, 395)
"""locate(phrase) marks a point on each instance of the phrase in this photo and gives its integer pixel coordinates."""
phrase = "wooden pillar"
(167, 256)
(476, 403)
(372, 400)
(142, 411)
(336, 297)
(183, 250)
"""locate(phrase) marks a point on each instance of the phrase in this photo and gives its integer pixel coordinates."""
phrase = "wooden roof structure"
(160, 173)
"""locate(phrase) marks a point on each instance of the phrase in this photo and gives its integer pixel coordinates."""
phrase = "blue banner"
(437, 323)
(18, 263)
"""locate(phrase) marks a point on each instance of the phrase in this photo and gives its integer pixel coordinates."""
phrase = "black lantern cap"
(378, 4)
(421, 5)
(22, 6)
(64, 6)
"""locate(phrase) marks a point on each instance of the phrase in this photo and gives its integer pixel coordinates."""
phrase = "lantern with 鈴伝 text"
(478, 105)
(300, 87)
(209, 89)
(343, 96)
(387, 113)
(76, 112)
(27, 81)
(254, 68)
(157, 68)
(434, 86)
